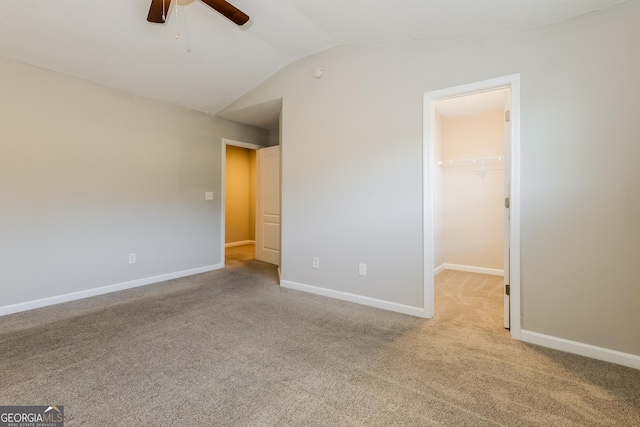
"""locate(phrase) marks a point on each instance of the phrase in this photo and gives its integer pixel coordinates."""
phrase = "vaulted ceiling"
(213, 61)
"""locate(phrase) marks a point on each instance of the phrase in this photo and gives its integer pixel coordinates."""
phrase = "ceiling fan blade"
(230, 11)
(156, 14)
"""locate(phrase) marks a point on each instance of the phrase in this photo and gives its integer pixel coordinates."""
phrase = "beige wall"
(439, 242)
(472, 206)
(352, 167)
(240, 195)
(90, 174)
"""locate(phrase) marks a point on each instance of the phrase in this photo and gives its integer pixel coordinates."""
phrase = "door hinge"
(507, 116)
(507, 290)
(507, 203)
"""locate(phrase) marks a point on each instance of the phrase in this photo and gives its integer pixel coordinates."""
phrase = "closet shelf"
(481, 161)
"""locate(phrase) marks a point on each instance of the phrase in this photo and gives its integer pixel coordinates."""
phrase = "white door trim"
(223, 192)
(512, 81)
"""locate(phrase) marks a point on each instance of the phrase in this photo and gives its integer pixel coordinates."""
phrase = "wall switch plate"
(362, 269)
(316, 262)
(132, 258)
(208, 195)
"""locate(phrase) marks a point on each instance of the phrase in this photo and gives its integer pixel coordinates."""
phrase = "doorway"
(484, 164)
(238, 196)
(469, 191)
(251, 201)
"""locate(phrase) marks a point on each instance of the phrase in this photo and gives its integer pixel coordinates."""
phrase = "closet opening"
(469, 193)
(471, 190)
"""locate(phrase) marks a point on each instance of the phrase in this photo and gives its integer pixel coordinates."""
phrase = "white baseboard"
(470, 269)
(588, 350)
(439, 269)
(58, 299)
(359, 299)
(240, 243)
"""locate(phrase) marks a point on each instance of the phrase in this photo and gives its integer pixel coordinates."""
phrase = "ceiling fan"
(159, 9)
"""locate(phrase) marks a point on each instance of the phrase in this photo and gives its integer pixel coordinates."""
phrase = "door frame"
(241, 144)
(429, 164)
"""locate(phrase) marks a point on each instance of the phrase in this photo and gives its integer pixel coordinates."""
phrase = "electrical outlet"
(362, 269)
(316, 262)
(132, 258)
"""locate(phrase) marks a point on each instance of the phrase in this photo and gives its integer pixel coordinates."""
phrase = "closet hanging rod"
(477, 160)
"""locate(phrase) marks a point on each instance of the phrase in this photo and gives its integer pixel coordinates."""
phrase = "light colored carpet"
(231, 348)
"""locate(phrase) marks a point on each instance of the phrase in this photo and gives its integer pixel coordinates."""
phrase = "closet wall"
(470, 196)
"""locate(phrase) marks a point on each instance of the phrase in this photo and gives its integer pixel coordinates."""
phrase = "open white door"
(268, 205)
(507, 211)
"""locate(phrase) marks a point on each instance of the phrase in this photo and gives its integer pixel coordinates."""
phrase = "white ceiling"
(214, 61)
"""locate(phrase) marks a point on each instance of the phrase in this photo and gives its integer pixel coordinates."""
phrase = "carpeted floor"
(232, 348)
